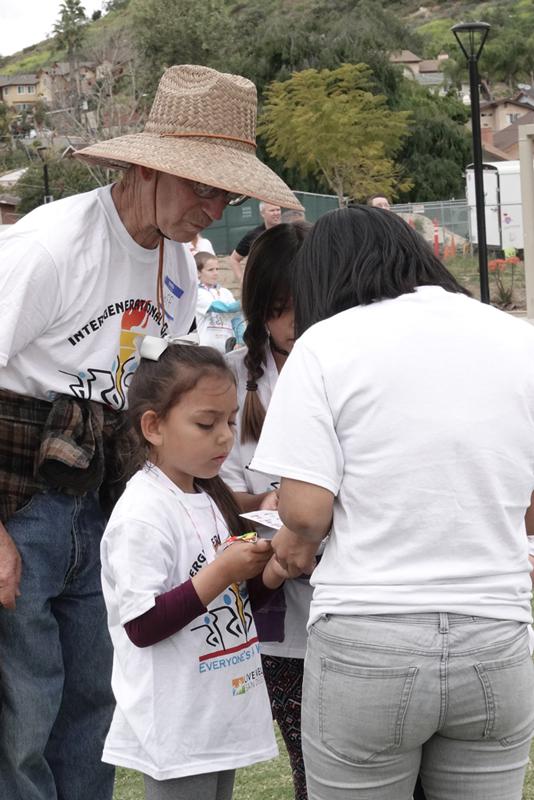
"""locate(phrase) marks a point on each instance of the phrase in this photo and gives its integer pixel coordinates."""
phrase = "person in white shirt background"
(191, 699)
(269, 338)
(216, 308)
(403, 425)
(199, 244)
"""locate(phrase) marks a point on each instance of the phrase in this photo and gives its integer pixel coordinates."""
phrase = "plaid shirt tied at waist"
(69, 445)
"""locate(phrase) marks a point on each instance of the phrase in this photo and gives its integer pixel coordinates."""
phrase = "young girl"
(269, 338)
(187, 677)
(216, 306)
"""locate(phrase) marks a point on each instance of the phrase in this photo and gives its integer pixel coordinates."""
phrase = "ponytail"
(253, 416)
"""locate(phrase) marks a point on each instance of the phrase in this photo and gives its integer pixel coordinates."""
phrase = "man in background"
(271, 216)
(379, 201)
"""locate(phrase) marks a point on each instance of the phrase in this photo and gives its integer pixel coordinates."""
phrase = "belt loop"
(443, 622)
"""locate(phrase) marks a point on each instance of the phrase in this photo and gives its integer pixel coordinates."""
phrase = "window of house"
(512, 118)
(21, 89)
(31, 89)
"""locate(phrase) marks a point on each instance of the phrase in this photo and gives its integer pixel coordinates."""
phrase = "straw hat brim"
(226, 165)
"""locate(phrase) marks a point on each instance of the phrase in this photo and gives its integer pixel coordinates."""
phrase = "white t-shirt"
(214, 327)
(298, 593)
(418, 415)
(202, 246)
(77, 293)
(195, 702)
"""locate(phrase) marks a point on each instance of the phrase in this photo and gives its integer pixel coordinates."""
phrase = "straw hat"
(202, 126)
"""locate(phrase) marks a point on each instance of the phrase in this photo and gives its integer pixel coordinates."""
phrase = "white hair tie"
(153, 346)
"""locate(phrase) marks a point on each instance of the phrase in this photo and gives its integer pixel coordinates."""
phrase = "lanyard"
(180, 495)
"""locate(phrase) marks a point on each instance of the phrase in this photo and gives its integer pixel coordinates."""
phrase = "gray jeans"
(208, 786)
(387, 696)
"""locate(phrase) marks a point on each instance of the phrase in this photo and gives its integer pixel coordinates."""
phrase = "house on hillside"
(427, 72)
(21, 92)
(60, 80)
(525, 95)
(498, 114)
(490, 150)
(408, 61)
(8, 206)
(507, 139)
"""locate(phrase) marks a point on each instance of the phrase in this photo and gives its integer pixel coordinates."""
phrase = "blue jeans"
(55, 657)
(387, 696)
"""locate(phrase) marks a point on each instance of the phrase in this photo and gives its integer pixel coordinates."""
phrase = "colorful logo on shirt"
(226, 629)
(110, 386)
(246, 682)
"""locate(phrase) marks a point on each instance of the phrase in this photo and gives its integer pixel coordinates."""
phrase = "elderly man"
(82, 281)
(271, 215)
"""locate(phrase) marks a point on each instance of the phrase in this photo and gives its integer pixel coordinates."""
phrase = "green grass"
(270, 780)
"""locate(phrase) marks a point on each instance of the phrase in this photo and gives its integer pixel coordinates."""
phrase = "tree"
(69, 30)
(277, 38)
(170, 32)
(437, 149)
(329, 123)
(66, 177)
(114, 103)
(6, 117)
(39, 110)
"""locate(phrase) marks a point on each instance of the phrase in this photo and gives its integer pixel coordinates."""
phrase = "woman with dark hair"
(269, 337)
(403, 425)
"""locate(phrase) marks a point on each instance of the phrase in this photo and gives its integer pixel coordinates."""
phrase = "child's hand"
(274, 574)
(270, 501)
(243, 560)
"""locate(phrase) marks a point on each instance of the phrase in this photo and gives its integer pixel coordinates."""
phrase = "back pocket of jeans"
(362, 709)
(508, 685)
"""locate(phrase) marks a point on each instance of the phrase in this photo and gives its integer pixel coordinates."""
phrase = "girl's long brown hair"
(158, 386)
(266, 292)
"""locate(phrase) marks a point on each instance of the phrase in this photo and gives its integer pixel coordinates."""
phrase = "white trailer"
(502, 196)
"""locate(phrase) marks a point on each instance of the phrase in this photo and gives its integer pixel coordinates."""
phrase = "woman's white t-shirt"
(214, 327)
(418, 415)
(298, 593)
(195, 702)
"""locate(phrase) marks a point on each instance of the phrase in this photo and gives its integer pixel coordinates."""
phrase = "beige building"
(21, 92)
(427, 72)
(498, 114)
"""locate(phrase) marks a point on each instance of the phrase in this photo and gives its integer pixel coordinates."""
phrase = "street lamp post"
(471, 36)
(41, 151)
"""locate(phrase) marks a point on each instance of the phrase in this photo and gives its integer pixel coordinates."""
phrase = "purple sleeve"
(173, 611)
(259, 594)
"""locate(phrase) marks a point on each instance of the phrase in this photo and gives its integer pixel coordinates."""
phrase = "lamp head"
(471, 36)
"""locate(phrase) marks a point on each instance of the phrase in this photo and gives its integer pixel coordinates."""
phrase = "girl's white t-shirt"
(77, 294)
(417, 414)
(195, 702)
(298, 593)
(214, 327)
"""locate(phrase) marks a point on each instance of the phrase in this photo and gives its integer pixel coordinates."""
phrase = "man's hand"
(10, 568)
(295, 554)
